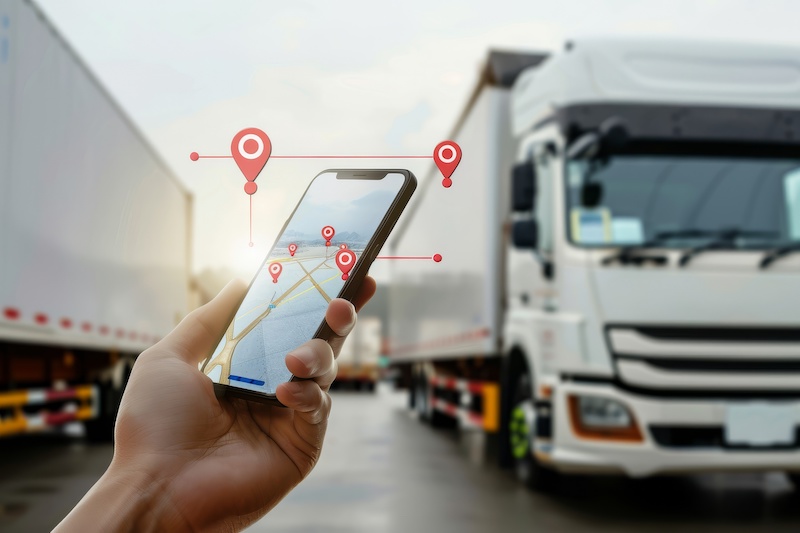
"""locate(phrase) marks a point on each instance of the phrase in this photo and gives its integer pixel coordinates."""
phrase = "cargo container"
(95, 234)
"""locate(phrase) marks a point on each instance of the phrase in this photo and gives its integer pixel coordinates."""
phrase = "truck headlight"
(596, 417)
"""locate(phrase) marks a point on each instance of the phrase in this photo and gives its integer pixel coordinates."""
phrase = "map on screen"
(289, 295)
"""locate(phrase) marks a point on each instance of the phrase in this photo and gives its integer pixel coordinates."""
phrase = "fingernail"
(306, 356)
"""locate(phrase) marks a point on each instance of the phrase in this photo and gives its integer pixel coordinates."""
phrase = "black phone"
(324, 251)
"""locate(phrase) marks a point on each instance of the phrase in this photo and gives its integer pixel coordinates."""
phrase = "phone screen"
(306, 268)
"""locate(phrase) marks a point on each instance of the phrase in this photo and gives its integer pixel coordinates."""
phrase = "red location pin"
(327, 233)
(345, 259)
(250, 149)
(343, 246)
(292, 249)
(275, 270)
(447, 156)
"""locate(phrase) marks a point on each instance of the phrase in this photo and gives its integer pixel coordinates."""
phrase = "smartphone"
(323, 252)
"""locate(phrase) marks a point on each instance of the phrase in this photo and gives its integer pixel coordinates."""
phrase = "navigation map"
(286, 302)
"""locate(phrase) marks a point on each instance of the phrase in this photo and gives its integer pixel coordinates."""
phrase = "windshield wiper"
(773, 255)
(724, 239)
(625, 254)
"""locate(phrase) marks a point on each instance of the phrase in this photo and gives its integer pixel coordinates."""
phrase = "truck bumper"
(700, 445)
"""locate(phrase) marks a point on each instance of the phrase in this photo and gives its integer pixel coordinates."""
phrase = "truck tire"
(794, 477)
(521, 422)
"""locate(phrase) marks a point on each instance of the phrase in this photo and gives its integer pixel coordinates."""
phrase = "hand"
(187, 460)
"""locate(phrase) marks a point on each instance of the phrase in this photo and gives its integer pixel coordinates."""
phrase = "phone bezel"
(357, 276)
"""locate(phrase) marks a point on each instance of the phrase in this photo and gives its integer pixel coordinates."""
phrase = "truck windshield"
(678, 201)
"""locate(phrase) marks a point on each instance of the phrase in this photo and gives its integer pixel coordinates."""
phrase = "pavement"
(383, 471)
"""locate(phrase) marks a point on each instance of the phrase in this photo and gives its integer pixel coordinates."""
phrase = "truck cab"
(653, 274)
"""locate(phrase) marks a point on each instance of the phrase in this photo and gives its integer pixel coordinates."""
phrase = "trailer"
(95, 236)
(617, 290)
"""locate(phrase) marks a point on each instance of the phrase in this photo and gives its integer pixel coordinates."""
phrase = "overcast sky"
(344, 77)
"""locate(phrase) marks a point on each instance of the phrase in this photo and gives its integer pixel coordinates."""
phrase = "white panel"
(639, 373)
(7, 52)
(631, 342)
(440, 309)
(96, 226)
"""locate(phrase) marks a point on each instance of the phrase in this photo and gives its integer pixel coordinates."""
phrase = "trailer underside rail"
(475, 404)
(58, 407)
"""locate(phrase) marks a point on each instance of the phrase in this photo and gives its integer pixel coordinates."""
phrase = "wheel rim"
(519, 427)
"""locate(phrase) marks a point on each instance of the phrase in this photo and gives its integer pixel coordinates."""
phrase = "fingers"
(314, 361)
(310, 403)
(199, 333)
(365, 293)
(341, 314)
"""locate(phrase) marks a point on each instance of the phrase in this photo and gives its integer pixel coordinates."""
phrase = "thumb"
(198, 334)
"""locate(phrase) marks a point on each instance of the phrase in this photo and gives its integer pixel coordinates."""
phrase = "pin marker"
(343, 246)
(251, 149)
(447, 156)
(327, 233)
(292, 249)
(275, 270)
(345, 259)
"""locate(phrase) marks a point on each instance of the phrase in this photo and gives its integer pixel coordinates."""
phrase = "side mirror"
(525, 234)
(523, 187)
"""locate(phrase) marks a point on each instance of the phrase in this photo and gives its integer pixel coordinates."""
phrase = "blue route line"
(247, 380)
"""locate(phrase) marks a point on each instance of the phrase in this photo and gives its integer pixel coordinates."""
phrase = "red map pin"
(251, 149)
(327, 233)
(275, 270)
(345, 259)
(447, 156)
(292, 249)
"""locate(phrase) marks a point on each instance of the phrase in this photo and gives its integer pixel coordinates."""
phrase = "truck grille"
(716, 361)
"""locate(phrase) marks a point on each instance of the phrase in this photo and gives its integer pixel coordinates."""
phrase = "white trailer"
(95, 234)
(618, 290)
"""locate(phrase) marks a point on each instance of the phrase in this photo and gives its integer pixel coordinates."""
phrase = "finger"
(313, 360)
(196, 337)
(341, 318)
(311, 404)
(365, 292)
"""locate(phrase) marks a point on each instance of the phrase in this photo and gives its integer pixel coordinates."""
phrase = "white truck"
(619, 290)
(95, 236)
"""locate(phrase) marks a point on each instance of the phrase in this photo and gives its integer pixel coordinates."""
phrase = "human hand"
(187, 460)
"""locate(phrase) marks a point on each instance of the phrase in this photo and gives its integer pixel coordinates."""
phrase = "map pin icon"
(251, 149)
(447, 156)
(327, 233)
(292, 249)
(345, 259)
(275, 270)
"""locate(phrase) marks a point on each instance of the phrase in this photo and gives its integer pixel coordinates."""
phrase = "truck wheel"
(521, 426)
(370, 386)
(794, 477)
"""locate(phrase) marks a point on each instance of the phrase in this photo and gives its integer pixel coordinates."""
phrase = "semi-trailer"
(95, 236)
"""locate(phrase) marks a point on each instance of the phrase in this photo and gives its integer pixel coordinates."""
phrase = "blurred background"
(611, 341)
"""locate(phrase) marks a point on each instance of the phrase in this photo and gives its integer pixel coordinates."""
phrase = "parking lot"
(382, 470)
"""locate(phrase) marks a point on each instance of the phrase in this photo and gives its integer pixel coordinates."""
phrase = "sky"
(345, 78)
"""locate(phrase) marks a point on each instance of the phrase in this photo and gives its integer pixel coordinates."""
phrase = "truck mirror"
(614, 134)
(523, 187)
(525, 234)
